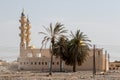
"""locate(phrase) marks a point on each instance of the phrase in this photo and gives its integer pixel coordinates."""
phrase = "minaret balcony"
(28, 27)
(22, 35)
(27, 37)
(22, 21)
(28, 33)
(22, 28)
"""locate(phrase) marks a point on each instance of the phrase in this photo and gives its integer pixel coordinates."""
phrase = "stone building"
(3, 63)
(32, 59)
(114, 65)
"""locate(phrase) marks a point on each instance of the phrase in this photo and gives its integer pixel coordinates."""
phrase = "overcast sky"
(98, 19)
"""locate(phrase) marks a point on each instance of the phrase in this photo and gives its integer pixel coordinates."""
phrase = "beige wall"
(43, 63)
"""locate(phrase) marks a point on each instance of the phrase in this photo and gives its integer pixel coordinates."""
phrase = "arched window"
(29, 55)
(38, 55)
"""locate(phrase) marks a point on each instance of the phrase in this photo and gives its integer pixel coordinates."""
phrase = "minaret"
(22, 28)
(28, 26)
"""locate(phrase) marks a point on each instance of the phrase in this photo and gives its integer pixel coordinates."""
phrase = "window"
(29, 55)
(45, 63)
(21, 63)
(31, 62)
(57, 63)
(53, 63)
(42, 63)
(39, 63)
(24, 63)
(35, 63)
(38, 55)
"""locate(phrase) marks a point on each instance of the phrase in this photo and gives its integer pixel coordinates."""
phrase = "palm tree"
(60, 49)
(51, 35)
(77, 50)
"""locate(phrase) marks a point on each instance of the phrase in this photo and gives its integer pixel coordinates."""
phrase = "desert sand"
(11, 73)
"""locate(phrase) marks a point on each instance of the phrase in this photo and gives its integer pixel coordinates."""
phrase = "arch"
(29, 55)
(38, 55)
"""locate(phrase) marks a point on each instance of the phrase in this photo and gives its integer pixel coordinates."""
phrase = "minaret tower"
(22, 28)
(28, 26)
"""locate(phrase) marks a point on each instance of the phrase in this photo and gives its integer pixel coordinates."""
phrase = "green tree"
(77, 49)
(61, 49)
(51, 35)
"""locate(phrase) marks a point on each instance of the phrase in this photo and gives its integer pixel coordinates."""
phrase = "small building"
(3, 63)
(114, 65)
(32, 59)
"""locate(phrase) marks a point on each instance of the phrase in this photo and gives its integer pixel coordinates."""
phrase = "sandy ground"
(6, 73)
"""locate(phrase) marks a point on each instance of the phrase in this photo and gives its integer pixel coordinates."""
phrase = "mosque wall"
(41, 61)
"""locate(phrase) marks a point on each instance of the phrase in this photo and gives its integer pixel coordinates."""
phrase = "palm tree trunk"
(60, 64)
(50, 73)
(75, 63)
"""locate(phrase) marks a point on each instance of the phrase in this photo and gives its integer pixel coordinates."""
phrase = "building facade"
(32, 59)
(114, 65)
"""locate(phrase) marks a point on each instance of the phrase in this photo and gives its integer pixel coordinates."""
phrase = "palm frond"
(42, 33)
(48, 31)
(58, 28)
(72, 35)
(51, 30)
(61, 32)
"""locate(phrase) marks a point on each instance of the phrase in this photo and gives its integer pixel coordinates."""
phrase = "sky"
(98, 19)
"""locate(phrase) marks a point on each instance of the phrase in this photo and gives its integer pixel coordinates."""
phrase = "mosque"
(31, 58)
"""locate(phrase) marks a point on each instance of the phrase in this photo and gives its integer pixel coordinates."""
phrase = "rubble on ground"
(10, 72)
